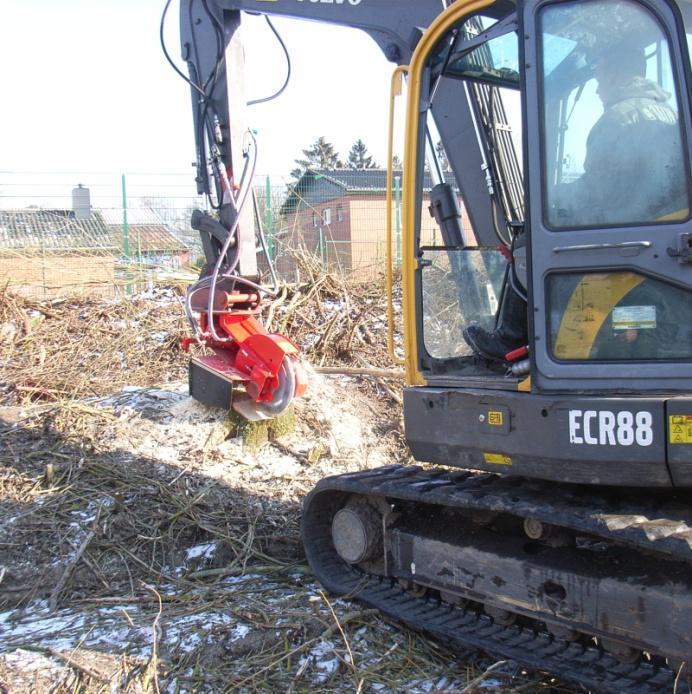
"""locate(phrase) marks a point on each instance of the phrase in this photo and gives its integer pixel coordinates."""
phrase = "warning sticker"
(497, 459)
(634, 317)
(680, 428)
(495, 418)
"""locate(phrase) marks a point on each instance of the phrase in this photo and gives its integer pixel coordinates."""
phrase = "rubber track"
(463, 627)
(646, 519)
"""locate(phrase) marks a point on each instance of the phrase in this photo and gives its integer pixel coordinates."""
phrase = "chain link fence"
(110, 233)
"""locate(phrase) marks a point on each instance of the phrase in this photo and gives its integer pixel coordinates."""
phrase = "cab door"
(607, 152)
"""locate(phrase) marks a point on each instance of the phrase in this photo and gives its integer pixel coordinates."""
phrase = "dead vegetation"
(145, 550)
(85, 346)
(334, 320)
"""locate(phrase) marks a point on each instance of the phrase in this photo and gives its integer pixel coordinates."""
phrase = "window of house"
(327, 215)
(339, 213)
(315, 220)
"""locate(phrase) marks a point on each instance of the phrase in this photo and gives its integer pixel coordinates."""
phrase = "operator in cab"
(633, 173)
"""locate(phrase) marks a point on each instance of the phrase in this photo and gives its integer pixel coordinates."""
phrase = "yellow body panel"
(395, 91)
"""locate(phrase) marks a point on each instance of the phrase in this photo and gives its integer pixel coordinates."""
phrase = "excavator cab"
(610, 212)
(463, 277)
(594, 234)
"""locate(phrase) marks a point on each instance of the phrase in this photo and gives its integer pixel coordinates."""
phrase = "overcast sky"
(86, 88)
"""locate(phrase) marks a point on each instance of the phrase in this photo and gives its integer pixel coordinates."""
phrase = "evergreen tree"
(358, 157)
(320, 155)
(397, 164)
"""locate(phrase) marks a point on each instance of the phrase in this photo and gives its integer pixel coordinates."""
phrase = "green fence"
(105, 233)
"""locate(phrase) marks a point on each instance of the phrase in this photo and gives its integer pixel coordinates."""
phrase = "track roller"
(502, 617)
(563, 633)
(623, 652)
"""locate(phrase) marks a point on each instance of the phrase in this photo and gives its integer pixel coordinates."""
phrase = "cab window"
(615, 316)
(613, 149)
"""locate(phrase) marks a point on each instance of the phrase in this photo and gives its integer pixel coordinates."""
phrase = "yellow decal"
(677, 216)
(680, 428)
(497, 459)
(525, 385)
(495, 418)
(591, 303)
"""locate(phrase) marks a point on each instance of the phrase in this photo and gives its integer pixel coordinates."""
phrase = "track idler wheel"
(563, 633)
(453, 599)
(502, 617)
(357, 532)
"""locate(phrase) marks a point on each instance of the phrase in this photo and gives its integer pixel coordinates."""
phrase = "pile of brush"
(82, 346)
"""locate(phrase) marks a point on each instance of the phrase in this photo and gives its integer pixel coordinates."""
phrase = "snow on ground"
(165, 425)
(235, 627)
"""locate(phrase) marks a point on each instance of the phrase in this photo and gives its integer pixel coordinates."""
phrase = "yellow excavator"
(555, 401)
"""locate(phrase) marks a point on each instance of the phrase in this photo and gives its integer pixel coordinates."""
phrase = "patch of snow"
(189, 642)
(88, 515)
(444, 684)
(234, 580)
(203, 551)
(60, 632)
(188, 632)
(240, 631)
(282, 466)
(100, 628)
(331, 305)
(324, 662)
(161, 336)
(30, 661)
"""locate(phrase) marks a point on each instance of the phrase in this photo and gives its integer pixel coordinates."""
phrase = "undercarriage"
(592, 585)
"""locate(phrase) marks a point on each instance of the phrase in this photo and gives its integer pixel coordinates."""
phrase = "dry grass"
(334, 320)
(79, 347)
(76, 347)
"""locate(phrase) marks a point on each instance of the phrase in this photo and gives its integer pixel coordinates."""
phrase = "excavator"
(551, 519)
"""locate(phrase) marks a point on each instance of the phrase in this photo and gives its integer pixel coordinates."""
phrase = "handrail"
(455, 13)
(624, 245)
(395, 90)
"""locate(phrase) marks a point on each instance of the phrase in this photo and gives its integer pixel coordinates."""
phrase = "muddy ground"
(145, 547)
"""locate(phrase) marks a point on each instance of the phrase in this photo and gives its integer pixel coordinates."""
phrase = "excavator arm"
(228, 292)
(212, 49)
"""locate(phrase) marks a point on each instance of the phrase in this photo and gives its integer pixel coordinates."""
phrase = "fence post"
(397, 216)
(320, 243)
(43, 263)
(126, 228)
(126, 235)
(269, 221)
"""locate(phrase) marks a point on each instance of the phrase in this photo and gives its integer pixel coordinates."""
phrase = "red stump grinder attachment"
(244, 353)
